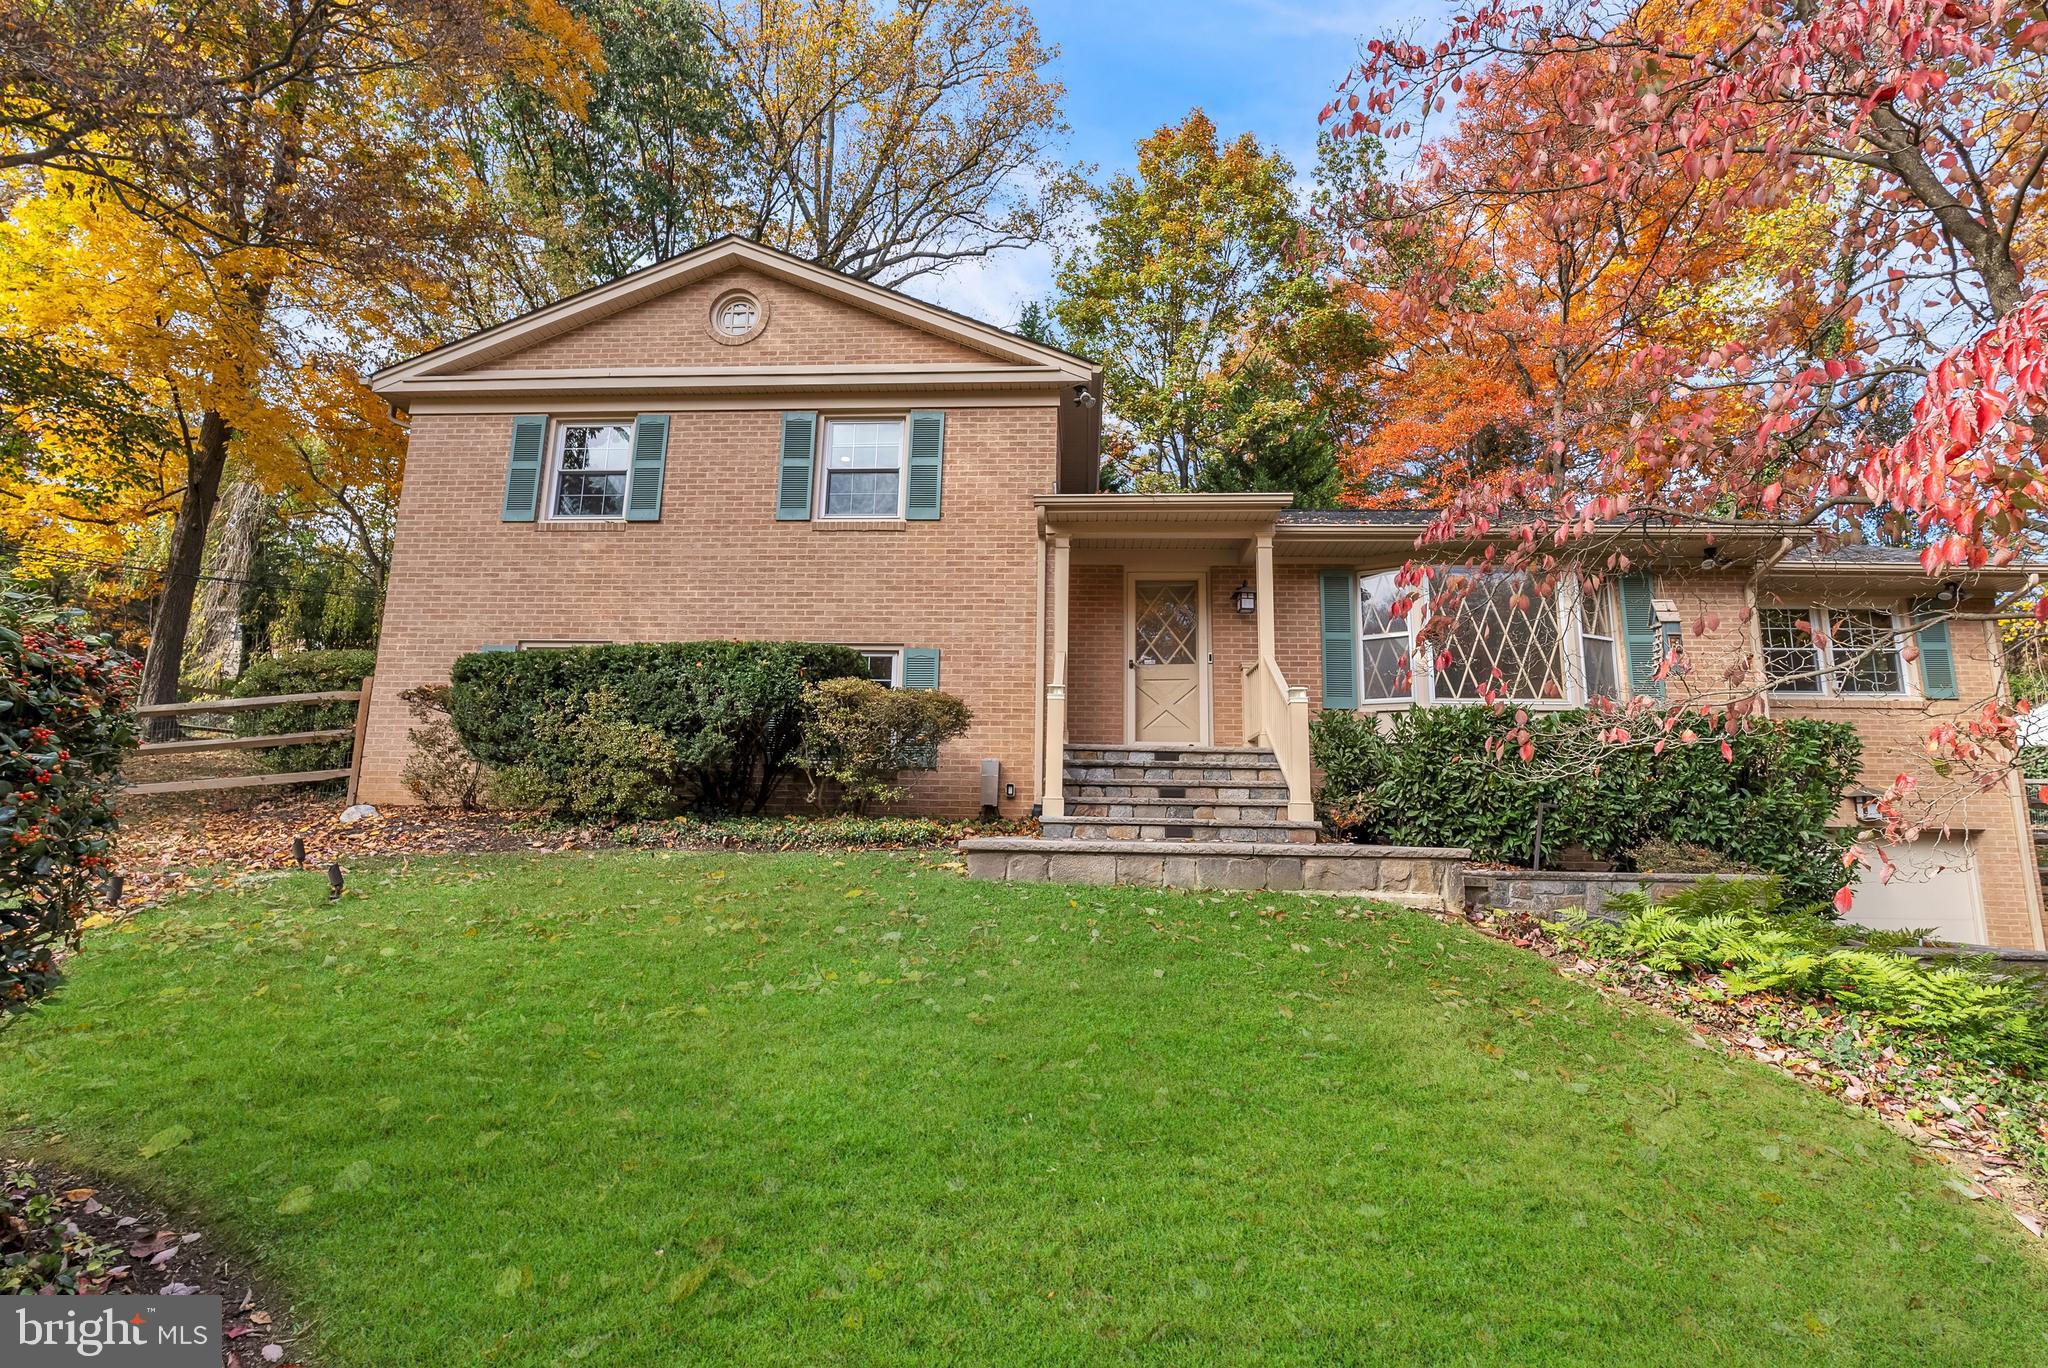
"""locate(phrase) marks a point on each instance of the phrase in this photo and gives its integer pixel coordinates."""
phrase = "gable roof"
(465, 364)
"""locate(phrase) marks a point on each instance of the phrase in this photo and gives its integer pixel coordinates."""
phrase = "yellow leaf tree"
(204, 254)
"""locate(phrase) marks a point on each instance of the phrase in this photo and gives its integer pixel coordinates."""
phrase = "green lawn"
(640, 1109)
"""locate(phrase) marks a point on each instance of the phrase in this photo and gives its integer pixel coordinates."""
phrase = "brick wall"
(803, 329)
(1097, 644)
(1894, 731)
(718, 564)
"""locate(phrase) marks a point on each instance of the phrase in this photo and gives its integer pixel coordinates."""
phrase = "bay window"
(1508, 639)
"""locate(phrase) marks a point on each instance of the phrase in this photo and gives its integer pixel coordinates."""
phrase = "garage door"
(1935, 885)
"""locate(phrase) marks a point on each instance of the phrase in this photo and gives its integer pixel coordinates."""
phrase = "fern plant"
(1739, 931)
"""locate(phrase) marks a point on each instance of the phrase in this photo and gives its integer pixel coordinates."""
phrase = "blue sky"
(1132, 65)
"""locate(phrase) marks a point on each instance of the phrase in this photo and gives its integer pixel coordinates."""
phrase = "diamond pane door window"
(1166, 630)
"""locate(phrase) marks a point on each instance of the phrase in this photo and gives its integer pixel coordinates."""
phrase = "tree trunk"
(216, 650)
(173, 616)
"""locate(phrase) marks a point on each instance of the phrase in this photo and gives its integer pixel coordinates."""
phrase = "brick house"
(737, 443)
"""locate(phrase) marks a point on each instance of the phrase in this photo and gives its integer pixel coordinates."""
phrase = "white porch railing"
(1276, 717)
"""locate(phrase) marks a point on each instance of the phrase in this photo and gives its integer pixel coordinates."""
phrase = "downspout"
(1755, 634)
(2016, 791)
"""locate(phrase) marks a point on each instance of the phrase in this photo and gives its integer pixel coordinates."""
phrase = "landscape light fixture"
(1246, 600)
(333, 882)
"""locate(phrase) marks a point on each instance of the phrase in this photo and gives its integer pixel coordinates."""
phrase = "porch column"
(1262, 586)
(1054, 774)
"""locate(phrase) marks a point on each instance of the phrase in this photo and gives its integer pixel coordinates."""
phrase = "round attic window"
(737, 316)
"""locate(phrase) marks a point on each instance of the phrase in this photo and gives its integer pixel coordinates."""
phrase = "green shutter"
(921, 671)
(1340, 640)
(921, 667)
(799, 451)
(927, 456)
(1937, 657)
(650, 463)
(1639, 630)
(522, 467)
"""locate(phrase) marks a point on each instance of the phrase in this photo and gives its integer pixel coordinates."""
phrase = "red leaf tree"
(1726, 261)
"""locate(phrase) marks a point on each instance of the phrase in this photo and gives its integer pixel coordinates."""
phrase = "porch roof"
(1108, 522)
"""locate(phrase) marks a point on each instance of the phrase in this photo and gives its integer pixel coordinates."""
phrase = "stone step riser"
(1257, 794)
(1144, 811)
(1099, 829)
(1267, 776)
(1169, 755)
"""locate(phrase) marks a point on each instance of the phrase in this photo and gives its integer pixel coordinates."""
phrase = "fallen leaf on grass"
(685, 1285)
(169, 1138)
(297, 1202)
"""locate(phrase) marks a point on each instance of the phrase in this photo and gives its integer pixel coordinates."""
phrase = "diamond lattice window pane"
(1167, 624)
(1506, 641)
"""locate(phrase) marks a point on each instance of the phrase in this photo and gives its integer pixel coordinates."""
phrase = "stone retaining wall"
(1417, 876)
(1546, 890)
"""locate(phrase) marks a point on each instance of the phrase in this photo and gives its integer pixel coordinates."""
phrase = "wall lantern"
(1247, 602)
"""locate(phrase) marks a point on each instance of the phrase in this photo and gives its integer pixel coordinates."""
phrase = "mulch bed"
(148, 1251)
(1942, 1108)
(168, 849)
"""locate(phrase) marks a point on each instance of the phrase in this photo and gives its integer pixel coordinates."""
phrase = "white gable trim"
(629, 291)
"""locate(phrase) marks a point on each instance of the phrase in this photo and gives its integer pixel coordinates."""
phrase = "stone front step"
(1150, 809)
(1227, 776)
(1137, 791)
(1416, 876)
(1080, 828)
(1085, 753)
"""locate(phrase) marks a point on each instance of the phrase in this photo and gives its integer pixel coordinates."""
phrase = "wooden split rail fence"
(359, 696)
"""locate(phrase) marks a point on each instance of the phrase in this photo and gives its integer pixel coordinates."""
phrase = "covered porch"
(1164, 639)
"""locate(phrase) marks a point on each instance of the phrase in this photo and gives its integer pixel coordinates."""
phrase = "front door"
(1166, 661)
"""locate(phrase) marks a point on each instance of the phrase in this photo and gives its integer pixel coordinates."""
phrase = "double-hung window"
(1506, 639)
(590, 465)
(1386, 666)
(1832, 652)
(1600, 644)
(863, 468)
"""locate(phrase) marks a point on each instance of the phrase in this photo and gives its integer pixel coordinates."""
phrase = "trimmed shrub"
(860, 735)
(594, 764)
(298, 672)
(1432, 780)
(732, 711)
(66, 723)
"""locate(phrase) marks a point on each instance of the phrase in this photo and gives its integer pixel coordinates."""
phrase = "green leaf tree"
(1229, 362)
